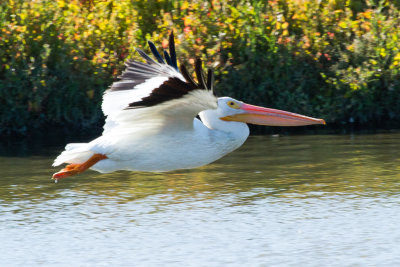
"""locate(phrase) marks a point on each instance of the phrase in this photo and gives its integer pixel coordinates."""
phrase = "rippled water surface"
(331, 200)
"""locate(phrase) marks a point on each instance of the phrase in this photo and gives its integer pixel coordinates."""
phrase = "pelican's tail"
(74, 153)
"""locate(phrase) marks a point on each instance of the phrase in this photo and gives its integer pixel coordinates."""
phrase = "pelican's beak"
(271, 117)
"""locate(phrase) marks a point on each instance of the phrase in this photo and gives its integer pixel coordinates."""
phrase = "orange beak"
(271, 117)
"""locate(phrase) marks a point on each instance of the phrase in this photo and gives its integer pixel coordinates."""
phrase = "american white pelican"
(151, 122)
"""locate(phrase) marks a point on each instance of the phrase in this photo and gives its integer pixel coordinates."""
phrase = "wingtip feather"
(155, 52)
(200, 74)
(172, 50)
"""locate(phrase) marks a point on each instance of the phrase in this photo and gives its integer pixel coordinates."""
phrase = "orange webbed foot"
(75, 168)
(69, 170)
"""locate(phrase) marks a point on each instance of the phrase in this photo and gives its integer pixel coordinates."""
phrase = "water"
(330, 200)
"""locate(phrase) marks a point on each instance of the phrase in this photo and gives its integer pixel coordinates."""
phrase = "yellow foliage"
(342, 24)
(382, 52)
(61, 3)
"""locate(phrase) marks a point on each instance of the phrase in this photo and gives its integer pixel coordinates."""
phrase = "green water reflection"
(288, 166)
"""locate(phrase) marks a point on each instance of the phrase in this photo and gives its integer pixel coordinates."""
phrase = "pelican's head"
(233, 110)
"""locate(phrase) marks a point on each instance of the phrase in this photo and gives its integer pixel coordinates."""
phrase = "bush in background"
(333, 59)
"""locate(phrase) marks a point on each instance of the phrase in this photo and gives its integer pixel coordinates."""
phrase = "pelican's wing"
(155, 94)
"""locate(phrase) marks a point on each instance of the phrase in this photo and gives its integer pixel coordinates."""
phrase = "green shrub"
(334, 59)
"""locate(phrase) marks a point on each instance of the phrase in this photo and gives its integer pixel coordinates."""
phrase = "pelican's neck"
(237, 130)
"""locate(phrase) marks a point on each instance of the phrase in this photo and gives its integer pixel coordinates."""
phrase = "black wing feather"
(148, 59)
(167, 58)
(199, 73)
(155, 52)
(210, 79)
(187, 76)
(172, 51)
(174, 88)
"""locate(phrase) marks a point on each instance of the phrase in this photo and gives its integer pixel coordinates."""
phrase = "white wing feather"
(178, 113)
(115, 101)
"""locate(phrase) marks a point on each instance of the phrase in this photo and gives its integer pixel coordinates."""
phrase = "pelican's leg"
(76, 168)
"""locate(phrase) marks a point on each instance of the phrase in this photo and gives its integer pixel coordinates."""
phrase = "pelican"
(151, 120)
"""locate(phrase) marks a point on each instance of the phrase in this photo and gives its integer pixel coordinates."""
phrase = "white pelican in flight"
(151, 122)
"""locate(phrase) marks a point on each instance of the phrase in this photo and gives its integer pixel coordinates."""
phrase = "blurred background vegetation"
(334, 59)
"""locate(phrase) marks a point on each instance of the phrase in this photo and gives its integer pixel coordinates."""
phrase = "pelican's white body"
(165, 152)
(161, 143)
(163, 137)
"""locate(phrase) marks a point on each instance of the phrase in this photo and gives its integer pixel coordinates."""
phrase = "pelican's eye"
(233, 104)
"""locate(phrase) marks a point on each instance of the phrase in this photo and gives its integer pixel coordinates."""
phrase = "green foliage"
(56, 60)
(336, 59)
